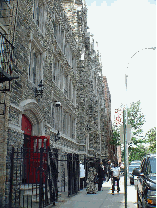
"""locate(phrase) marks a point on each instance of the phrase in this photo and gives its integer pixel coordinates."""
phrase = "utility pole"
(125, 147)
(125, 163)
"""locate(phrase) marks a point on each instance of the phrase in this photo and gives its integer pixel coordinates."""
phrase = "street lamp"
(58, 136)
(39, 91)
(126, 137)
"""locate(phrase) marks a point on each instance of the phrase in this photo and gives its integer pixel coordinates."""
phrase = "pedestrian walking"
(100, 176)
(82, 175)
(108, 170)
(91, 181)
(115, 177)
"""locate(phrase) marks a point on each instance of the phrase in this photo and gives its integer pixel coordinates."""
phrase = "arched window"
(39, 14)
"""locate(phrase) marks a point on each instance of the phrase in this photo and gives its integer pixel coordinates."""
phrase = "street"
(102, 198)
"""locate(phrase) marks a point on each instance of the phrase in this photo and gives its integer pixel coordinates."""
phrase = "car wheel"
(144, 204)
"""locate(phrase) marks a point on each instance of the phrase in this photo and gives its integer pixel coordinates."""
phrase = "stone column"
(3, 146)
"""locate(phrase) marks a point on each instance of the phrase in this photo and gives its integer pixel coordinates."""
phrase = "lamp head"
(57, 104)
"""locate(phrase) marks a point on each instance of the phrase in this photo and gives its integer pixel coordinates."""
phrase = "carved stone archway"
(32, 111)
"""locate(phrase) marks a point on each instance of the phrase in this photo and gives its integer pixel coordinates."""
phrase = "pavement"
(102, 199)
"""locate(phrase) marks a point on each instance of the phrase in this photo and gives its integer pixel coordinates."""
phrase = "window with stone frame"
(68, 53)
(74, 96)
(53, 114)
(66, 85)
(39, 14)
(70, 86)
(57, 115)
(57, 72)
(61, 77)
(68, 124)
(59, 34)
(57, 118)
(72, 128)
(64, 121)
(54, 70)
(55, 28)
(36, 66)
(74, 63)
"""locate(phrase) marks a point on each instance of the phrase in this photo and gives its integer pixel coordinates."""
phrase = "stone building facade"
(52, 47)
(111, 149)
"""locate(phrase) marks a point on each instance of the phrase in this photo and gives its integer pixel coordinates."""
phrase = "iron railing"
(33, 178)
(6, 55)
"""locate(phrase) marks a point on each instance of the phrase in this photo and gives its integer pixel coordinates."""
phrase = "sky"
(126, 32)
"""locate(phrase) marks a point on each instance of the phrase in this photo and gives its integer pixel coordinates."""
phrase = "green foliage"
(136, 119)
(115, 140)
(138, 147)
(137, 153)
(151, 139)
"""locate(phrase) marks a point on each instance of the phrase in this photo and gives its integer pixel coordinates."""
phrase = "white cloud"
(122, 29)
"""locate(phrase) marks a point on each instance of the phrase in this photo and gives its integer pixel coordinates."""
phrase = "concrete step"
(29, 186)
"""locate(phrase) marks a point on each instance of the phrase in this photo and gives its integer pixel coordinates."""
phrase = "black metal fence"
(33, 178)
(73, 173)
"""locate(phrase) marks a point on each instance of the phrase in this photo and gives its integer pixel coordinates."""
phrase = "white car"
(135, 162)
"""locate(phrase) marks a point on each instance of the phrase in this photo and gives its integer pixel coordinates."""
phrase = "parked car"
(138, 163)
(146, 186)
(135, 162)
(131, 176)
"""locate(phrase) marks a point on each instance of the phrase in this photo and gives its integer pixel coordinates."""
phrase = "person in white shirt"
(115, 177)
(82, 175)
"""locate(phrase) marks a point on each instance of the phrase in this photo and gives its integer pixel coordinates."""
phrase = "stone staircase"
(29, 194)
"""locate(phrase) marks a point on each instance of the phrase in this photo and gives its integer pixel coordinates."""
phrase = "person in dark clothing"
(100, 176)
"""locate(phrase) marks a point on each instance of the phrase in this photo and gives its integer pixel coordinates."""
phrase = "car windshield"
(131, 168)
(136, 163)
(153, 165)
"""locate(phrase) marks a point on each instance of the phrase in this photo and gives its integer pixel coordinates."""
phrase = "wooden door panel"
(26, 125)
(33, 145)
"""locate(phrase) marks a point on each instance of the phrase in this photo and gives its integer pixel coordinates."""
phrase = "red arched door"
(26, 125)
(32, 145)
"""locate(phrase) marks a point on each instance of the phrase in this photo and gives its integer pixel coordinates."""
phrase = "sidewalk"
(102, 199)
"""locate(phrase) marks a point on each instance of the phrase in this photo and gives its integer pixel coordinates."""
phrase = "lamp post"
(125, 122)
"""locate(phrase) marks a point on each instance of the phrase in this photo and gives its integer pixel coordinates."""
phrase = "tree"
(151, 139)
(137, 152)
(136, 119)
(115, 139)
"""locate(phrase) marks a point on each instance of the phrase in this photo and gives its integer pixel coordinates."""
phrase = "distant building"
(111, 149)
(118, 121)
